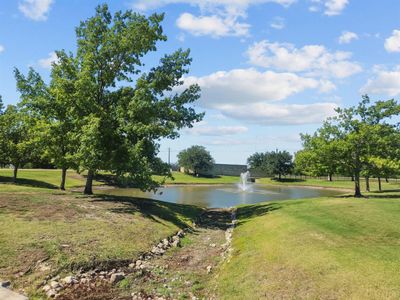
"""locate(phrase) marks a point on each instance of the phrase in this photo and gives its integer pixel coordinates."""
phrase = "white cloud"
(36, 10)
(347, 37)
(218, 17)
(2, 48)
(250, 85)
(278, 23)
(330, 7)
(216, 130)
(46, 63)
(384, 83)
(206, 4)
(214, 25)
(279, 114)
(392, 43)
(335, 7)
(314, 60)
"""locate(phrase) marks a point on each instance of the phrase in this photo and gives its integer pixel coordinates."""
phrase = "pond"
(226, 195)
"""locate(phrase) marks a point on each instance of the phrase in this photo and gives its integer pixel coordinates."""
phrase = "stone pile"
(55, 285)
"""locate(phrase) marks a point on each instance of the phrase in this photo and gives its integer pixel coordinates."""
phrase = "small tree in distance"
(196, 159)
(272, 163)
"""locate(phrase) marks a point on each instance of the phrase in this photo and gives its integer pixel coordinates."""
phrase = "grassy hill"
(327, 248)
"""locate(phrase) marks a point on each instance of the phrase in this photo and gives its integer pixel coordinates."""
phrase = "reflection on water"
(225, 195)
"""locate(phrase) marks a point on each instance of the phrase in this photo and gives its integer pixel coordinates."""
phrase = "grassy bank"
(45, 231)
(340, 184)
(327, 248)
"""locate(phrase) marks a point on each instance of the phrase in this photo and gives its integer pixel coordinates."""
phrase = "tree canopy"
(272, 163)
(196, 159)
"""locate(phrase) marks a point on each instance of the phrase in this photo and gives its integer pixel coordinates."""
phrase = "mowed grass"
(327, 248)
(44, 231)
(339, 184)
(39, 180)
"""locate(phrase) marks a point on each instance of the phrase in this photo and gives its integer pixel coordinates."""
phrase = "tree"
(355, 126)
(18, 138)
(320, 154)
(54, 104)
(273, 163)
(196, 159)
(356, 135)
(119, 125)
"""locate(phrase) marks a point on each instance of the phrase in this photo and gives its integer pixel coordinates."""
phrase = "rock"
(181, 233)
(46, 288)
(117, 277)
(54, 284)
(213, 245)
(138, 263)
(132, 266)
(5, 284)
(176, 243)
(165, 242)
(209, 268)
(51, 293)
(69, 280)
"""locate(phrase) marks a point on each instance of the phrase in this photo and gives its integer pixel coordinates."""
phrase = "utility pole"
(169, 156)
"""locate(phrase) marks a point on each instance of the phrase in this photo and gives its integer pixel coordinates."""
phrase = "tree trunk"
(63, 177)
(89, 183)
(357, 189)
(387, 180)
(367, 183)
(330, 177)
(15, 173)
(352, 178)
(280, 177)
(379, 184)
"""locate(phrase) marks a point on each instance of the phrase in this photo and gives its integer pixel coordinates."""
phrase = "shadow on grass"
(288, 180)
(386, 194)
(245, 213)
(153, 209)
(28, 182)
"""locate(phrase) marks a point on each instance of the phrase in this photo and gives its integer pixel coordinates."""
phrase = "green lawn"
(327, 248)
(341, 184)
(45, 231)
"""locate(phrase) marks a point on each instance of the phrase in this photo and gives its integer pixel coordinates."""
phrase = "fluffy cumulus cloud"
(216, 130)
(315, 60)
(214, 25)
(36, 10)
(46, 63)
(392, 43)
(329, 7)
(385, 82)
(2, 48)
(218, 17)
(250, 85)
(347, 37)
(279, 114)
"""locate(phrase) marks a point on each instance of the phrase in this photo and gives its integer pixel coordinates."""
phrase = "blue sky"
(269, 69)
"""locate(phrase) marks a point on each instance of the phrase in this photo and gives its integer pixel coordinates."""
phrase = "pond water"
(225, 195)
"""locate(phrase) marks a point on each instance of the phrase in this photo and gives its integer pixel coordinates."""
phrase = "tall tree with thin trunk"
(53, 104)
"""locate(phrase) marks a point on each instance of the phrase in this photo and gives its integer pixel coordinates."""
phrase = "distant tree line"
(100, 110)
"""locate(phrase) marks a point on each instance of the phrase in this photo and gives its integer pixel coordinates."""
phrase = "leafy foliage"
(196, 159)
(272, 163)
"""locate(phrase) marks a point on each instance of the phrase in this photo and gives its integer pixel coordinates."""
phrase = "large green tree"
(196, 159)
(123, 112)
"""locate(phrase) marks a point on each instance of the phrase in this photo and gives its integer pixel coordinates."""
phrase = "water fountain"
(244, 184)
